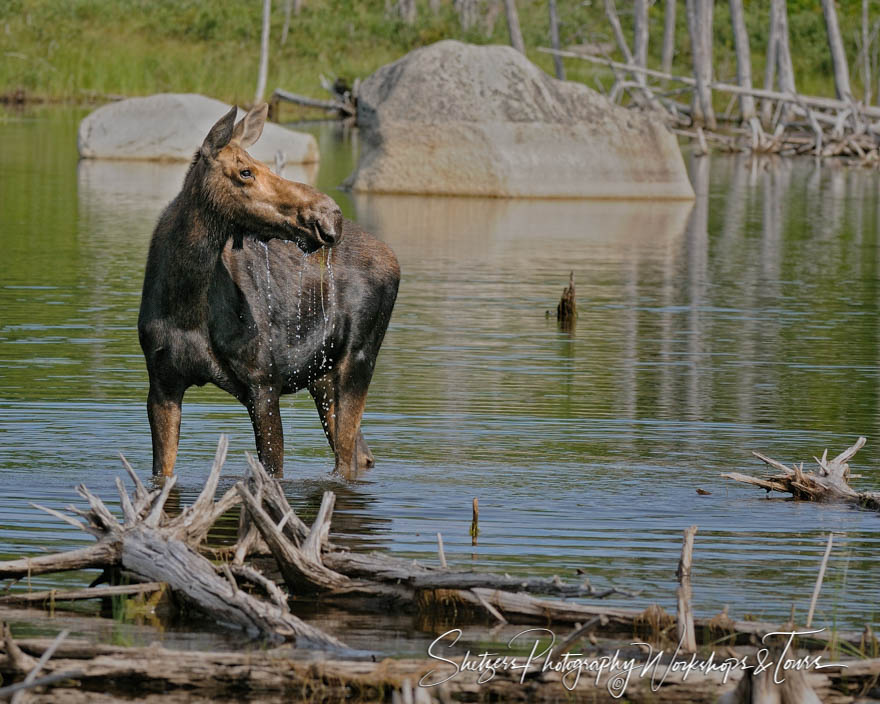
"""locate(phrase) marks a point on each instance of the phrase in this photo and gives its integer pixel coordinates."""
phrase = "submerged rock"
(454, 118)
(171, 126)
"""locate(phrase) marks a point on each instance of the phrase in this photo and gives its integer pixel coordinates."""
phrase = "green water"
(746, 321)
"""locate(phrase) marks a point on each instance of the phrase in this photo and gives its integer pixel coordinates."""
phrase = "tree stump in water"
(566, 311)
(830, 482)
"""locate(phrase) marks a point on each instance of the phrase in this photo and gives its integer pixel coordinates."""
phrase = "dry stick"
(440, 551)
(475, 522)
(491, 609)
(41, 682)
(579, 633)
(819, 579)
(44, 658)
(685, 625)
(328, 105)
(611, 14)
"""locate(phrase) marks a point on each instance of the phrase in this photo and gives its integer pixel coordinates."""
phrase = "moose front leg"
(266, 418)
(163, 410)
(325, 393)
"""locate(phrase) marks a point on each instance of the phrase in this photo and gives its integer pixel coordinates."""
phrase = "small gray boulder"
(172, 126)
(459, 119)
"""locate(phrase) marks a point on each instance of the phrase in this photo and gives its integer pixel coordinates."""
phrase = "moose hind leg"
(163, 411)
(265, 414)
(325, 394)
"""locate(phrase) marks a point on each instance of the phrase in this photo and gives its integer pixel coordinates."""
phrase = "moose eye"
(245, 173)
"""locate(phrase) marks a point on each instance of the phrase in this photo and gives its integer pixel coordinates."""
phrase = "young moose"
(242, 290)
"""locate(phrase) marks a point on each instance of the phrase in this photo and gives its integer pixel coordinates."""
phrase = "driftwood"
(104, 673)
(344, 108)
(160, 548)
(830, 482)
(157, 547)
(55, 595)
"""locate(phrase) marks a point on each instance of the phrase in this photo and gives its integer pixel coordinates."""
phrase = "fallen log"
(159, 548)
(830, 482)
(112, 673)
(343, 108)
(56, 595)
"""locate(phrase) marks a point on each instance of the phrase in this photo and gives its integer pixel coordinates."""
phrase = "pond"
(747, 320)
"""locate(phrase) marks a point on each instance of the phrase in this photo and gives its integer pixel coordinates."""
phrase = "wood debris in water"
(829, 482)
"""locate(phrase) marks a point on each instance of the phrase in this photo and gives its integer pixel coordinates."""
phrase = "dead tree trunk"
(264, 52)
(699, 20)
(743, 59)
(640, 32)
(516, 38)
(685, 621)
(770, 68)
(554, 41)
(783, 53)
(866, 55)
(838, 55)
(285, 29)
(467, 13)
(566, 311)
(407, 10)
(668, 36)
(646, 93)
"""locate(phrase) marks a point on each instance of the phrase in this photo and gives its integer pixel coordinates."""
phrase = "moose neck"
(201, 231)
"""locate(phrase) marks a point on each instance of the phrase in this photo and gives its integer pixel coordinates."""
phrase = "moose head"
(252, 199)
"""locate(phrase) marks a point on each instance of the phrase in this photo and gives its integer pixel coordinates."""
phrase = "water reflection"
(748, 320)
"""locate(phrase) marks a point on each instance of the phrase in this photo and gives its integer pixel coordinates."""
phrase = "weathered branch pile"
(830, 482)
(155, 548)
(784, 122)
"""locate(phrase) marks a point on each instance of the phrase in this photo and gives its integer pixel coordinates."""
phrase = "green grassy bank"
(81, 49)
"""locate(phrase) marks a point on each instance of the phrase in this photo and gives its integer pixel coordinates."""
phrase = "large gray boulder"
(454, 118)
(172, 126)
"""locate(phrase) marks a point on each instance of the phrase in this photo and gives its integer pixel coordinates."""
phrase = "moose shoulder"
(258, 285)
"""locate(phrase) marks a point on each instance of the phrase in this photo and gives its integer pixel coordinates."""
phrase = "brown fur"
(210, 311)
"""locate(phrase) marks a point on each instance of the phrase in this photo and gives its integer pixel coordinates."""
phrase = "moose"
(259, 285)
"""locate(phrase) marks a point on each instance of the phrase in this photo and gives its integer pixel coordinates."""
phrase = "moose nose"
(330, 225)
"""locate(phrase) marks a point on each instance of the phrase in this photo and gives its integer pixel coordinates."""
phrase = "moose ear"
(220, 134)
(250, 127)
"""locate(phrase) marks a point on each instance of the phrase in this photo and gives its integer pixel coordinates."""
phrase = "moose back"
(258, 285)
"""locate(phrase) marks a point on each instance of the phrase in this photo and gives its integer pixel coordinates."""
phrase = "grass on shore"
(82, 49)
